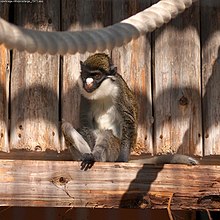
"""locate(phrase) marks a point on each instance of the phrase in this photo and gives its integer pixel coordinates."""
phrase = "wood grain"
(177, 86)
(79, 15)
(133, 61)
(35, 84)
(210, 36)
(108, 185)
(4, 86)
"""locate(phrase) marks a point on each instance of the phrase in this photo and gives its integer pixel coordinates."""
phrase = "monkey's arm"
(168, 158)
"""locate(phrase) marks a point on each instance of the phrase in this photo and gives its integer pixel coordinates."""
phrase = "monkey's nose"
(89, 84)
(89, 81)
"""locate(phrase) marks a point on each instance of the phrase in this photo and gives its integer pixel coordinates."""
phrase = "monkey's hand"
(87, 161)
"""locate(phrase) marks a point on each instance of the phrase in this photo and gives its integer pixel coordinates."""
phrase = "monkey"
(108, 118)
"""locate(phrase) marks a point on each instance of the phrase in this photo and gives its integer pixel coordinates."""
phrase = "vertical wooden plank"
(79, 15)
(177, 85)
(4, 86)
(34, 84)
(210, 26)
(134, 64)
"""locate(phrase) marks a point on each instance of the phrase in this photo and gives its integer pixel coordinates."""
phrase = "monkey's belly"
(108, 122)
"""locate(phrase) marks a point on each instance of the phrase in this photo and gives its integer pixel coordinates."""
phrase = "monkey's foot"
(87, 161)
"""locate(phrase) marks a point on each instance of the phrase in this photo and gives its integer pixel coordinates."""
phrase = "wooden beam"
(109, 185)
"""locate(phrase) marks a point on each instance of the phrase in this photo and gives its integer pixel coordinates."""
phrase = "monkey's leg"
(76, 141)
(107, 148)
(168, 158)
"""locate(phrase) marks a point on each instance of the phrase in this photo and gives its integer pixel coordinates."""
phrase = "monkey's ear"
(113, 69)
(82, 65)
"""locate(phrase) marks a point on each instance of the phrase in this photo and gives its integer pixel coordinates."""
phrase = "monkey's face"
(97, 84)
(97, 76)
(92, 79)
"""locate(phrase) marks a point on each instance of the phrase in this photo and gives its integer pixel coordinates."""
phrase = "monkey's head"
(97, 76)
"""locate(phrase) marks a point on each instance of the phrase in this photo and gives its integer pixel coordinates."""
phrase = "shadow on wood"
(109, 185)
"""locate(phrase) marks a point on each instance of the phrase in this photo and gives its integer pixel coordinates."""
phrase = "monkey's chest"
(106, 119)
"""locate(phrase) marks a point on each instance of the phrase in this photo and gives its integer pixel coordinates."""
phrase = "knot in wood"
(63, 180)
(49, 21)
(20, 127)
(60, 180)
(38, 148)
(183, 101)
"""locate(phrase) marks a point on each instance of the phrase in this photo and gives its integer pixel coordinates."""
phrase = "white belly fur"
(106, 116)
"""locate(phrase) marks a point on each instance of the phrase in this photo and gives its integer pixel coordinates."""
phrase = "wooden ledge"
(109, 185)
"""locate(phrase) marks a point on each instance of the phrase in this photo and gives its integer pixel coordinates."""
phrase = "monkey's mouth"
(89, 87)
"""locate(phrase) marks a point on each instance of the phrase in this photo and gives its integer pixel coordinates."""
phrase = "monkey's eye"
(97, 75)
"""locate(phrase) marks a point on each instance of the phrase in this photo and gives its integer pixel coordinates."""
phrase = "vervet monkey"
(108, 117)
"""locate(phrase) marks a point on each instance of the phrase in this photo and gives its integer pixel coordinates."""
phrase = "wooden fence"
(174, 73)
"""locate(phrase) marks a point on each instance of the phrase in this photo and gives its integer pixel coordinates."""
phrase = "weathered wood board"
(79, 15)
(133, 61)
(177, 85)
(210, 36)
(36, 107)
(4, 86)
(109, 185)
(35, 84)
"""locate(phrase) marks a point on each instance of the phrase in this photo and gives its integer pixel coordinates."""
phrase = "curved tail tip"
(193, 161)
